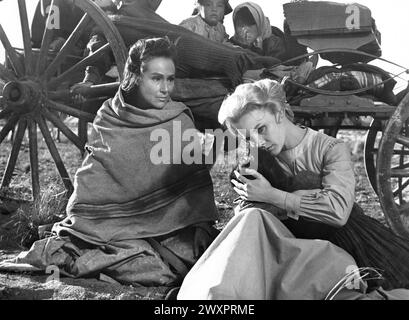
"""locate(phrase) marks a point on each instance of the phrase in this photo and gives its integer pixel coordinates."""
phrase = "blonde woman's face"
(212, 11)
(264, 129)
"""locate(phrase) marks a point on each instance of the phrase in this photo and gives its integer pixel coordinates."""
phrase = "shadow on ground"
(15, 286)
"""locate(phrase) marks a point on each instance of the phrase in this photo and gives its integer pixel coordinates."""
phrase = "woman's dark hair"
(244, 17)
(140, 54)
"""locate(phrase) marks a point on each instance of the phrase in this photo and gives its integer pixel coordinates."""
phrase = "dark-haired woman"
(134, 216)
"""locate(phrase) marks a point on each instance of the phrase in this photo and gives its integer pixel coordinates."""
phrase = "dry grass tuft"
(48, 209)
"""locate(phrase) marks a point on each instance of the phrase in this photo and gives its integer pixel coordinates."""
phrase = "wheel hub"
(23, 96)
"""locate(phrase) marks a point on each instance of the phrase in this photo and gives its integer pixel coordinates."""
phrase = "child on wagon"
(207, 19)
(253, 31)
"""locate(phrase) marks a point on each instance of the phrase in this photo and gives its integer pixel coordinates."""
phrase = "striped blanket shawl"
(120, 193)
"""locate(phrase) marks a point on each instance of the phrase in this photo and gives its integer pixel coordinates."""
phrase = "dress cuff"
(292, 205)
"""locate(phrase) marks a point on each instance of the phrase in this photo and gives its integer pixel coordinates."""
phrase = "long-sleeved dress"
(263, 254)
(330, 213)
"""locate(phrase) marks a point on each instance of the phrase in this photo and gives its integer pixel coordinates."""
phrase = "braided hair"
(140, 54)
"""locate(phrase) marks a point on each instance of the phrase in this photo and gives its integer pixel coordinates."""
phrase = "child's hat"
(227, 7)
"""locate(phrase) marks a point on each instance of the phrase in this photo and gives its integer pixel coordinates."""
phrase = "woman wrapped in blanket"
(303, 190)
(138, 214)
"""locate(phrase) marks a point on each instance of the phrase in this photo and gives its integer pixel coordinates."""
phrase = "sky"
(391, 17)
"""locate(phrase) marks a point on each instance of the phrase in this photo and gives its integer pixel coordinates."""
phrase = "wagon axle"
(23, 96)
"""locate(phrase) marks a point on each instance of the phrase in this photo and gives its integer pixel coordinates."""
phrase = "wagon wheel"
(393, 170)
(371, 150)
(31, 97)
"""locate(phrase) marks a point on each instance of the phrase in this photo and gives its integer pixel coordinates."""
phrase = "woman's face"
(246, 34)
(156, 83)
(212, 11)
(263, 128)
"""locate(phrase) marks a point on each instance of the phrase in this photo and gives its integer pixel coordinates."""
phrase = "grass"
(21, 228)
(49, 208)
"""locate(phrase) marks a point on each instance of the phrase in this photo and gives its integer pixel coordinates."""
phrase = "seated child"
(253, 31)
(207, 19)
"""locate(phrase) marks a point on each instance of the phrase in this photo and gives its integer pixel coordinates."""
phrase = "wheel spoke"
(11, 53)
(67, 47)
(404, 141)
(11, 163)
(403, 166)
(11, 123)
(100, 90)
(400, 173)
(400, 189)
(80, 66)
(25, 29)
(400, 153)
(4, 113)
(63, 128)
(404, 209)
(71, 111)
(83, 131)
(47, 38)
(64, 95)
(400, 195)
(7, 74)
(35, 176)
(55, 154)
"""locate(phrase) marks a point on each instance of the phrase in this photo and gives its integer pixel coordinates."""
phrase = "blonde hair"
(264, 94)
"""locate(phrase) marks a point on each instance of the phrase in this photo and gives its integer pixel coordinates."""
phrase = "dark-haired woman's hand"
(78, 89)
(257, 189)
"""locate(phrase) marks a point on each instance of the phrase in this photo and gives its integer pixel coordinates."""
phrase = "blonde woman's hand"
(257, 190)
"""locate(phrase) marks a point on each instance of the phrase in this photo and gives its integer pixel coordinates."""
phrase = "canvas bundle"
(330, 25)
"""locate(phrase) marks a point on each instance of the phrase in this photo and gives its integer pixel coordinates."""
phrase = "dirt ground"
(39, 286)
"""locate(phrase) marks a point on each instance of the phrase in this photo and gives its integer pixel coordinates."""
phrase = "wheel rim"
(393, 170)
(31, 95)
(371, 150)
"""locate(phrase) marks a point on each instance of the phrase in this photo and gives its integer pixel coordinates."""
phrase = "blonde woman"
(298, 238)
